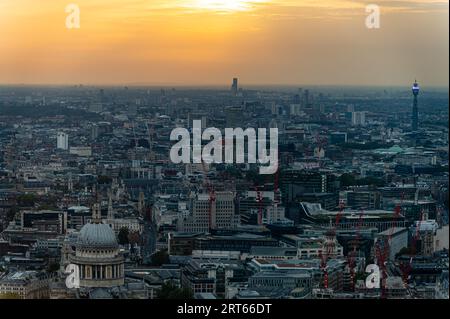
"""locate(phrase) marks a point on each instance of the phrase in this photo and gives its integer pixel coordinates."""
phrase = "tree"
(159, 258)
(102, 179)
(26, 200)
(169, 290)
(255, 177)
(347, 179)
(405, 251)
(123, 236)
(360, 276)
(53, 267)
(47, 207)
(371, 181)
(12, 213)
(233, 171)
(134, 237)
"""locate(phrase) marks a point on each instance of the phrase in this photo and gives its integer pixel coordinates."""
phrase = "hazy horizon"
(224, 86)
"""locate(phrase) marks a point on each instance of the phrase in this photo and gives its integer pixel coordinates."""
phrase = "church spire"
(96, 214)
(110, 205)
(141, 203)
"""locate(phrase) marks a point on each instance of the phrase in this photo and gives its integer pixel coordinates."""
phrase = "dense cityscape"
(92, 207)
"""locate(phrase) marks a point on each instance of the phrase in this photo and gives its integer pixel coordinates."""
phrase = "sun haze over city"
(195, 42)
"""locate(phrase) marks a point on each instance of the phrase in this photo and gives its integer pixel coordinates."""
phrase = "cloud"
(410, 5)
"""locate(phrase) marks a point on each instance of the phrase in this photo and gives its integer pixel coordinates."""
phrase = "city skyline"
(93, 204)
(256, 153)
(277, 42)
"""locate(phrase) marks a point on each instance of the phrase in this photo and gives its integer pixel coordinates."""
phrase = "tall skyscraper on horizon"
(415, 111)
(234, 86)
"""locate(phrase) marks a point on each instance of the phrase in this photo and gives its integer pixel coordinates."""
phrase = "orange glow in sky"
(194, 42)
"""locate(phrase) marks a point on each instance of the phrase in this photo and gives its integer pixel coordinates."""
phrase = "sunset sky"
(196, 42)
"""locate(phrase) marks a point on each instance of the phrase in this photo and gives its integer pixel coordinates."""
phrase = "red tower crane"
(351, 256)
(276, 189)
(416, 236)
(259, 201)
(329, 248)
(383, 253)
(212, 197)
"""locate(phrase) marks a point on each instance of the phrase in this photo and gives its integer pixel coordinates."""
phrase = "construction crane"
(212, 197)
(259, 201)
(212, 194)
(407, 267)
(329, 246)
(416, 236)
(382, 256)
(351, 256)
(276, 189)
(212, 200)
